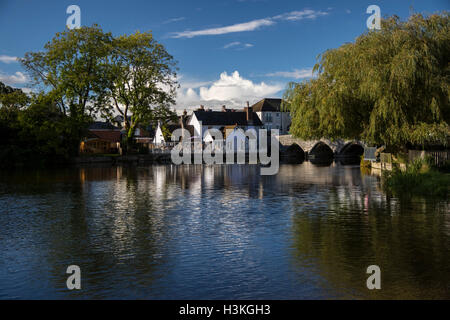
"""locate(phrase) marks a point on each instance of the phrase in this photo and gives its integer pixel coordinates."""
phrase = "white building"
(202, 120)
(159, 137)
(270, 113)
(232, 125)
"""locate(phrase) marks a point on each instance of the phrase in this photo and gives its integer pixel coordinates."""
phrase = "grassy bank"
(419, 178)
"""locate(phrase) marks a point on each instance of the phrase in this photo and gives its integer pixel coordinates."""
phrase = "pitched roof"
(171, 127)
(99, 125)
(107, 135)
(220, 118)
(267, 105)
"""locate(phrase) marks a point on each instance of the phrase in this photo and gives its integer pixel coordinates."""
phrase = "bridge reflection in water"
(218, 232)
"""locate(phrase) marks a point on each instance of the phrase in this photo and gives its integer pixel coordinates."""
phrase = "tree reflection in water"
(409, 241)
(217, 232)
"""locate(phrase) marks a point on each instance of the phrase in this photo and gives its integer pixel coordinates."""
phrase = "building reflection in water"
(199, 231)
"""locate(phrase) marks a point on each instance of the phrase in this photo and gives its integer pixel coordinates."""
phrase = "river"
(218, 232)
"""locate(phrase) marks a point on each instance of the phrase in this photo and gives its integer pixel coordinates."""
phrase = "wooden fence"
(386, 161)
(439, 157)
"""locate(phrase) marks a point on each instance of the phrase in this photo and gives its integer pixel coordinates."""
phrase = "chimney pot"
(249, 113)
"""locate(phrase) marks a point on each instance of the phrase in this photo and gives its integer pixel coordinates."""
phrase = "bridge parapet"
(336, 146)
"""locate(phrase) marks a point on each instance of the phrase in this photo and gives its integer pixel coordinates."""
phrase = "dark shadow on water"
(410, 242)
(322, 162)
(201, 231)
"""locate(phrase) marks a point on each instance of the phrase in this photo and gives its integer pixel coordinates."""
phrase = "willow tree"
(390, 87)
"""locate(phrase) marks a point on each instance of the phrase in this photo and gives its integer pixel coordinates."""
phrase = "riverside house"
(225, 121)
(270, 113)
(102, 137)
(231, 123)
(160, 140)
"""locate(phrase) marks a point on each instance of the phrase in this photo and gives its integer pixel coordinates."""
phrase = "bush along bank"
(419, 178)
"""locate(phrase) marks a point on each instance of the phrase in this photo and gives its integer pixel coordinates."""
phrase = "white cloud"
(232, 44)
(238, 45)
(240, 27)
(17, 78)
(231, 90)
(174, 20)
(28, 90)
(186, 82)
(7, 59)
(252, 25)
(300, 15)
(296, 74)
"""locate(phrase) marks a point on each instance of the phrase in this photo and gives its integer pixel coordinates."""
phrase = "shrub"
(418, 179)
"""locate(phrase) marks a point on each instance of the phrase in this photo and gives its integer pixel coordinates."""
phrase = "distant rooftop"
(100, 125)
(267, 105)
(221, 118)
(111, 136)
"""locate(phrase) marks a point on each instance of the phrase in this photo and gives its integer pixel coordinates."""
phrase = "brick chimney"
(224, 109)
(249, 112)
(183, 119)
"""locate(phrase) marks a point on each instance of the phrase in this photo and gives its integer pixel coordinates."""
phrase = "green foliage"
(6, 89)
(86, 72)
(14, 98)
(166, 132)
(389, 87)
(364, 163)
(141, 80)
(38, 135)
(71, 69)
(417, 179)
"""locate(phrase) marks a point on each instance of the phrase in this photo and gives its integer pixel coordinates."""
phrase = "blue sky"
(228, 51)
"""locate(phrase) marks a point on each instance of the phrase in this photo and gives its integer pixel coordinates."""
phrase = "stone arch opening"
(295, 153)
(352, 149)
(321, 151)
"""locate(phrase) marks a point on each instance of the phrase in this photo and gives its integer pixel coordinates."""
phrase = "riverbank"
(164, 158)
(417, 178)
(116, 159)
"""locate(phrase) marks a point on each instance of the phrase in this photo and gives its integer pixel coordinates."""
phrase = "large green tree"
(71, 69)
(12, 97)
(91, 73)
(141, 80)
(37, 134)
(391, 86)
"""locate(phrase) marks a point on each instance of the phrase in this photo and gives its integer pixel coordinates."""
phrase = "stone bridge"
(337, 147)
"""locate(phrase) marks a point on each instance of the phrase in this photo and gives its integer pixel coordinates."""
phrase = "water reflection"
(225, 232)
(410, 243)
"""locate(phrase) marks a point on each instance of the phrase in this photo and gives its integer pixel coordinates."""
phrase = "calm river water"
(218, 232)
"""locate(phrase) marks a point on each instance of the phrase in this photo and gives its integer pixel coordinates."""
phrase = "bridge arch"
(352, 148)
(295, 152)
(322, 150)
